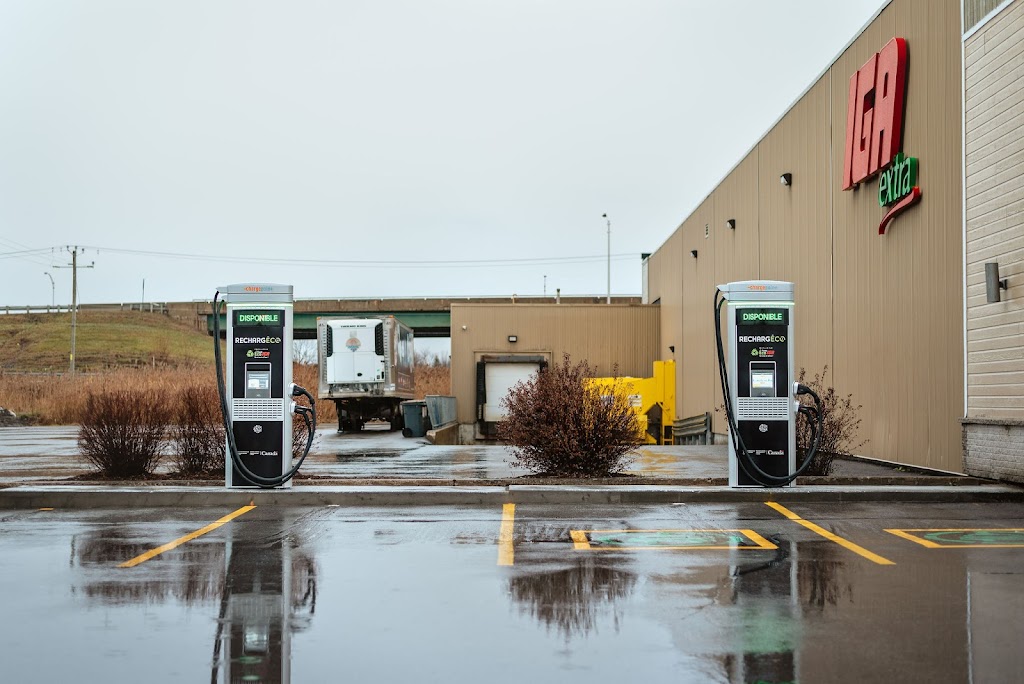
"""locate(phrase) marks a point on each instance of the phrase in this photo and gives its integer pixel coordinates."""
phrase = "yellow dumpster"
(653, 399)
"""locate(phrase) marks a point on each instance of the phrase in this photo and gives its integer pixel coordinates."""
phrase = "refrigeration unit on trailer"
(366, 368)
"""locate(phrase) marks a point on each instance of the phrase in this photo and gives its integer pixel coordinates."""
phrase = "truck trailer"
(366, 369)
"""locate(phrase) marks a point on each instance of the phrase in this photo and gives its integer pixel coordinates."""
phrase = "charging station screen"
(257, 376)
(762, 349)
(258, 353)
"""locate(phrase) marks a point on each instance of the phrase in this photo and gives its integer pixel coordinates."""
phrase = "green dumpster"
(416, 421)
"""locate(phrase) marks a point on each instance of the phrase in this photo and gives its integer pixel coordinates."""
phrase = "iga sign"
(874, 131)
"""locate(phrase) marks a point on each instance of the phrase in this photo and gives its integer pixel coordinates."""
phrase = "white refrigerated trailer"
(366, 369)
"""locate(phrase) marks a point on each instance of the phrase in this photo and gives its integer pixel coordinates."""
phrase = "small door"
(499, 378)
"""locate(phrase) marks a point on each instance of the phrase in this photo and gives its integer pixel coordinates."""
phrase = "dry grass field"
(127, 350)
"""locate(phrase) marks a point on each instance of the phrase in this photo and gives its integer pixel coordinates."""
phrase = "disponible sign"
(874, 131)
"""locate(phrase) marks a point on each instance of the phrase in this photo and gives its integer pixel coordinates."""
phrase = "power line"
(17, 245)
(390, 263)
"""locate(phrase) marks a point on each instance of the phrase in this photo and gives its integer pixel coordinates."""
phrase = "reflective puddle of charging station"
(727, 593)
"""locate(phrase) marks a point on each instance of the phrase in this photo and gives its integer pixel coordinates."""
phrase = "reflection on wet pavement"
(364, 594)
(263, 585)
(573, 600)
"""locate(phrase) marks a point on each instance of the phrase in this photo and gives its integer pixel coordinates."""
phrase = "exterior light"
(513, 338)
(731, 224)
(693, 253)
(993, 283)
(786, 179)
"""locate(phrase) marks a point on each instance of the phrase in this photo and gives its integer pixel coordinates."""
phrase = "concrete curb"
(78, 497)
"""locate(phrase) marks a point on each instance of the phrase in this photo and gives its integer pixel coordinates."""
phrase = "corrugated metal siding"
(603, 334)
(664, 272)
(898, 298)
(796, 221)
(976, 10)
(697, 389)
(735, 256)
(885, 312)
(995, 214)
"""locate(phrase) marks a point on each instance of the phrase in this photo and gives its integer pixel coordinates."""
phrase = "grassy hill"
(105, 341)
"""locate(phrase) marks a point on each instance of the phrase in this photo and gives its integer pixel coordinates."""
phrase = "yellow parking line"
(508, 517)
(579, 540)
(859, 550)
(918, 540)
(153, 553)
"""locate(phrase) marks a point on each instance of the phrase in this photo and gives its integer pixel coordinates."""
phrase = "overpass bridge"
(429, 317)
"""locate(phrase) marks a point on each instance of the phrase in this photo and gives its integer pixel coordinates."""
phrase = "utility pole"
(609, 222)
(74, 298)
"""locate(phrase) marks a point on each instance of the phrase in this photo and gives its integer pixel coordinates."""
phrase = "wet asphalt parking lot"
(680, 593)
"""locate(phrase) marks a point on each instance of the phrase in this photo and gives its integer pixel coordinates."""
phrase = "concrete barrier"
(448, 435)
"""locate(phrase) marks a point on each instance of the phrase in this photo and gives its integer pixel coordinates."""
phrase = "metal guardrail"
(150, 307)
(441, 410)
(59, 308)
(693, 430)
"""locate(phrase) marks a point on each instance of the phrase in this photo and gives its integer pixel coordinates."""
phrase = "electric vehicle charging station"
(761, 401)
(256, 400)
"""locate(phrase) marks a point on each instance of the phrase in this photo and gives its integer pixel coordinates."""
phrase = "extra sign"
(874, 131)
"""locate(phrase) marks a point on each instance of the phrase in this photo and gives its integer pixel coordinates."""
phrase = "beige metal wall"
(994, 62)
(665, 289)
(883, 312)
(899, 297)
(602, 334)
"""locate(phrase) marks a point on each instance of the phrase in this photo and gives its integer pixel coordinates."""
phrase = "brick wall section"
(994, 449)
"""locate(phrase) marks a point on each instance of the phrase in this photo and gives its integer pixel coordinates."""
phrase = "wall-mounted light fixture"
(730, 224)
(786, 179)
(513, 338)
(693, 253)
(993, 283)
(672, 348)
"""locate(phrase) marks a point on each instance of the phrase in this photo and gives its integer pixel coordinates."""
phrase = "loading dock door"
(499, 378)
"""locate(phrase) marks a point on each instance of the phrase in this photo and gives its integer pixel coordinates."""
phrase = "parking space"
(716, 592)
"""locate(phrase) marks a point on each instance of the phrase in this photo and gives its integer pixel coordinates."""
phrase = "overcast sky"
(379, 139)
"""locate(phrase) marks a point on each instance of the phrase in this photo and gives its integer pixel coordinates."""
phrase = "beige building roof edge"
(553, 305)
(781, 116)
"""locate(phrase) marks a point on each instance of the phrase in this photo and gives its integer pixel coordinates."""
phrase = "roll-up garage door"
(499, 378)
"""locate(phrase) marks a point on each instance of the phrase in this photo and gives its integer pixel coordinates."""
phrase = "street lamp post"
(609, 222)
(53, 288)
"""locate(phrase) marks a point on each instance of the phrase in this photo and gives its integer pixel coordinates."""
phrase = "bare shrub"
(122, 431)
(198, 430)
(557, 424)
(840, 425)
